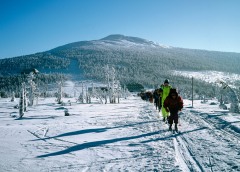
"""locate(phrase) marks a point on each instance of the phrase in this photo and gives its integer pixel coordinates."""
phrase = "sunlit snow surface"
(126, 136)
(211, 76)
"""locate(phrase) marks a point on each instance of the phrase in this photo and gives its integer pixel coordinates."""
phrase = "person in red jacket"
(173, 104)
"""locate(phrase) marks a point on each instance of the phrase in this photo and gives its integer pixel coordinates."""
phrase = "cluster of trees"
(10, 84)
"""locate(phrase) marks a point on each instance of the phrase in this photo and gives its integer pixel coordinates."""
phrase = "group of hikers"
(167, 101)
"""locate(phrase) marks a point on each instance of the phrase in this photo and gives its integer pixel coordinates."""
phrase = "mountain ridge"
(114, 39)
(135, 60)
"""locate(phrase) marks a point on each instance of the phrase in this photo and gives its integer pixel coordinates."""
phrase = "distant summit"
(118, 37)
(111, 41)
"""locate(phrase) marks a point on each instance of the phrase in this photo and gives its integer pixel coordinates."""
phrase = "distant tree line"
(9, 84)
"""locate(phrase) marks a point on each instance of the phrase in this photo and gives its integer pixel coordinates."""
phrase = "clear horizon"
(31, 26)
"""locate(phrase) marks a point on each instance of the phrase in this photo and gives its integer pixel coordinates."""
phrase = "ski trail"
(179, 157)
(208, 139)
(215, 126)
(188, 157)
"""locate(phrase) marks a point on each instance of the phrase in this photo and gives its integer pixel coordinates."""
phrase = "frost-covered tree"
(81, 96)
(113, 91)
(25, 98)
(13, 97)
(21, 105)
(22, 101)
(234, 107)
(59, 93)
(32, 88)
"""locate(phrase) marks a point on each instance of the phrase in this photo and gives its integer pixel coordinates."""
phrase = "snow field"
(129, 136)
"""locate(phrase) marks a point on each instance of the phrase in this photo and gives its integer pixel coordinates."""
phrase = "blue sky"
(31, 26)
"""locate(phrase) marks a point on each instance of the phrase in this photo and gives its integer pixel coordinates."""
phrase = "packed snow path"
(129, 136)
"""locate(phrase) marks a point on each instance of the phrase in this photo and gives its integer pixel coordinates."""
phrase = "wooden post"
(192, 91)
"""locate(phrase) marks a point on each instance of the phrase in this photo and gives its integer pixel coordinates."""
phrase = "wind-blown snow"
(129, 136)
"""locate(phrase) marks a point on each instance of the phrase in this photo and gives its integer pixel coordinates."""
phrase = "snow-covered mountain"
(124, 49)
(134, 59)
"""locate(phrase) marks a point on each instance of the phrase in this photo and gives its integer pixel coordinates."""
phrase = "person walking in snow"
(165, 91)
(173, 104)
(157, 98)
(159, 104)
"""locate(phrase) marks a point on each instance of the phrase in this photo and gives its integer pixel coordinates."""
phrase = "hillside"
(134, 59)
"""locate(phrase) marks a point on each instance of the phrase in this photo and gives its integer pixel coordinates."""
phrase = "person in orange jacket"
(173, 104)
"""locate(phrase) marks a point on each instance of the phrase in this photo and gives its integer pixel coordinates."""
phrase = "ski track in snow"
(129, 136)
(209, 141)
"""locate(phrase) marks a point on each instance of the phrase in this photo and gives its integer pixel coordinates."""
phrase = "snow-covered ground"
(129, 136)
(212, 77)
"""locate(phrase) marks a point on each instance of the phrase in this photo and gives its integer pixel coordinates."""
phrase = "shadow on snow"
(36, 117)
(95, 130)
(103, 142)
(95, 144)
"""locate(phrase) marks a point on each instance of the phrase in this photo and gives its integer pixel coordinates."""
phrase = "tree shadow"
(95, 144)
(225, 124)
(104, 142)
(36, 117)
(214, 116)
(94, 130)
